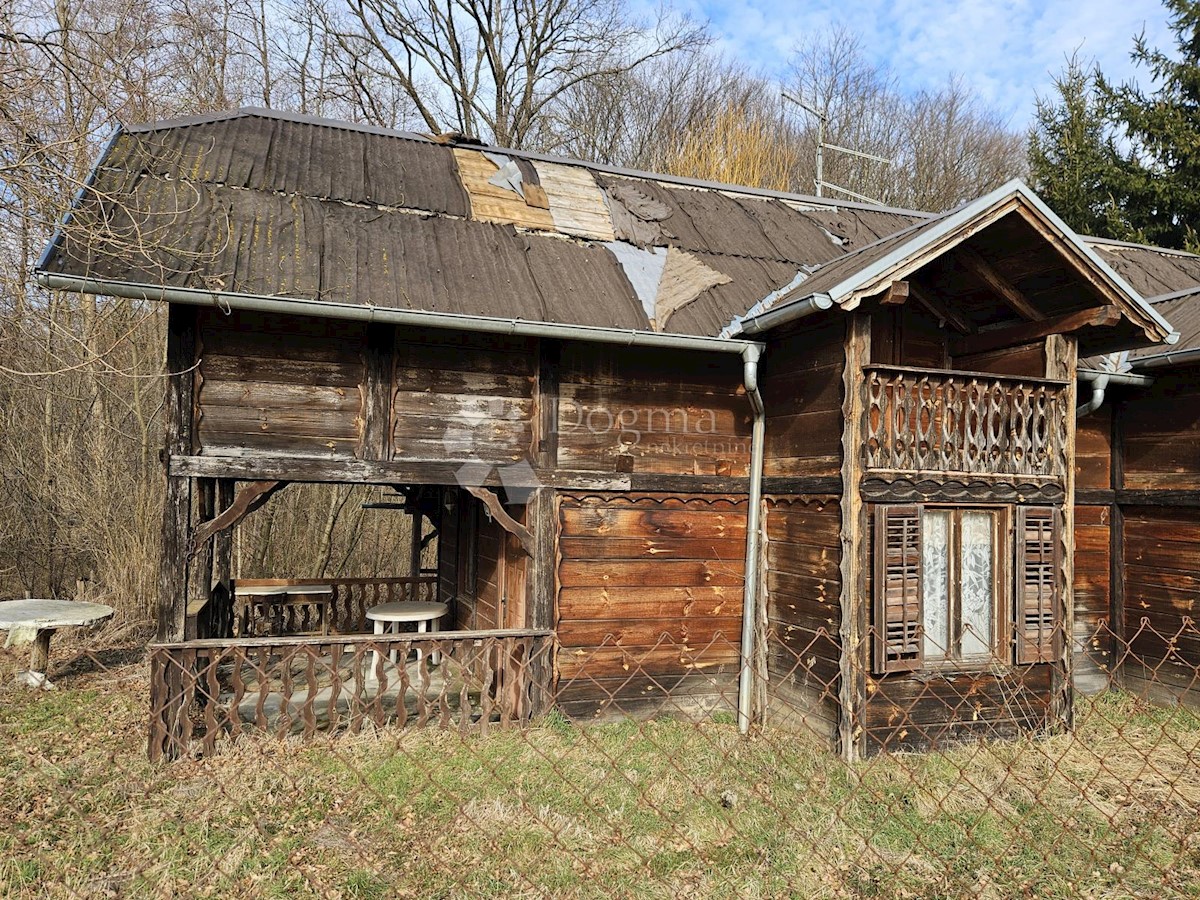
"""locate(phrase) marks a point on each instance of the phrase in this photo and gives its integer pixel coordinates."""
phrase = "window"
(953, 585)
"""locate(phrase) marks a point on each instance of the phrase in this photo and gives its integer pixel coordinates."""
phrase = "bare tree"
(946, 147)
(495, 69)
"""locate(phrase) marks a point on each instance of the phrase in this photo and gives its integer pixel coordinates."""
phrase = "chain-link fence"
(493, 764)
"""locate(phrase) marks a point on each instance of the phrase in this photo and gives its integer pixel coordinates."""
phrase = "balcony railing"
(964, 423)
(347, 607)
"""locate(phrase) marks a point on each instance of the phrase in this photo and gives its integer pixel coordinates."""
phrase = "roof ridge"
(318, 121)
(1133, 245)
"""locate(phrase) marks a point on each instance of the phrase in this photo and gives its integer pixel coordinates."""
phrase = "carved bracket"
(500, 514)
(248, 499)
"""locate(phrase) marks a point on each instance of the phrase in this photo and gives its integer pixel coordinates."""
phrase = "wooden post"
(417, 523)
(1061, 357)
(852, 687)
(177, 508)
(545, 405)
(222, 567)
(379, 365)
(541, 518)
(200, 574)
(1116, 548)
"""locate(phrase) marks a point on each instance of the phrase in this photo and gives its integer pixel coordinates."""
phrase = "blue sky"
(1007, 51)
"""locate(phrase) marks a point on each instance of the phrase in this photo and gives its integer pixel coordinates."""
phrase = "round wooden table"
(425, 614)
(45, 617)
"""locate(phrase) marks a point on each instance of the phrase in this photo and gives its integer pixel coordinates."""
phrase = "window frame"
(898, 590)
(999, 651)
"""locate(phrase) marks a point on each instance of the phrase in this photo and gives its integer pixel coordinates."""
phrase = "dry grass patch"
(655, 809)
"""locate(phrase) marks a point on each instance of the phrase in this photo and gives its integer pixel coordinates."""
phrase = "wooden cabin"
(704, 448)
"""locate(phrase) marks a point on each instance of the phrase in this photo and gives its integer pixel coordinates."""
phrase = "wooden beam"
(987, 273)
(248, 499)
(504, 520)
(942, 310)
(1026, 332)
(255, 467)
(896, 294)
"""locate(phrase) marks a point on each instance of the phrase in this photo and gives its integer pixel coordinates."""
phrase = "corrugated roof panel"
(290, 157)
(793, 233)
(1150, 270)
(577, 204)
(1184, 315)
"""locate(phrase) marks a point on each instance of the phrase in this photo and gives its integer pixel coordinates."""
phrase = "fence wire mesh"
(322, 767)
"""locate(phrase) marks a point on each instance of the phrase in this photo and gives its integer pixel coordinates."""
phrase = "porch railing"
(938, 421)
(347, 612)
(202, 692)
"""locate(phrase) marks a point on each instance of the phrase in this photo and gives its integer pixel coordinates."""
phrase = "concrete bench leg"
(39, 662)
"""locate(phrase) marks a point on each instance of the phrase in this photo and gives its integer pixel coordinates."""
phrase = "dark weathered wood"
(203, 690)
(943, 311)
(199, 616)
(815, 485)
(251, 497)
(971, 489)
(1062, 361)
(545, 404)
(1003, 288)
(177, 504)
(1117, 576)
(379, 353)
(1096, 316)
(542, 517)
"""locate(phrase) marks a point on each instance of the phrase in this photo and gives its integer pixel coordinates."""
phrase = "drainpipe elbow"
(1099, 384)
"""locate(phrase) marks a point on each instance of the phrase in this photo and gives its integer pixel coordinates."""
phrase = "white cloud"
(1006, 51)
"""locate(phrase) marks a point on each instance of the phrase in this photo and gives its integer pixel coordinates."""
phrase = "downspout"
(750, 358)
(1100, 381)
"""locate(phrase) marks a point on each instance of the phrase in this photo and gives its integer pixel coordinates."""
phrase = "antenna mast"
(820, 182)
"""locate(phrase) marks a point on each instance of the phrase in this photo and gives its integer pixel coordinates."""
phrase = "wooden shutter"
(1038, 606)
(898, 613)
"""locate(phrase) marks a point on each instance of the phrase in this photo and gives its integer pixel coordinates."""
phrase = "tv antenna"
(820, 182)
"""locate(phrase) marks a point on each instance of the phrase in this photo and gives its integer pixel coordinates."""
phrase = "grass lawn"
(653, 809)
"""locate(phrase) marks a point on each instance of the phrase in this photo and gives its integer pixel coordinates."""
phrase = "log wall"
(801, 384)
(632, 410)
(277, 384)
(803, 584)
(287, 387)
(649, 603)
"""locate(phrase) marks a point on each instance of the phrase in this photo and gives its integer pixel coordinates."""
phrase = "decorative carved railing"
(937, 421)
(204, 691)
(345, 612)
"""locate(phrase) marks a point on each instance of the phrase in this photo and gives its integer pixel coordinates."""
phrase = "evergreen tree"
(1072, 158)
(1158, 183)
